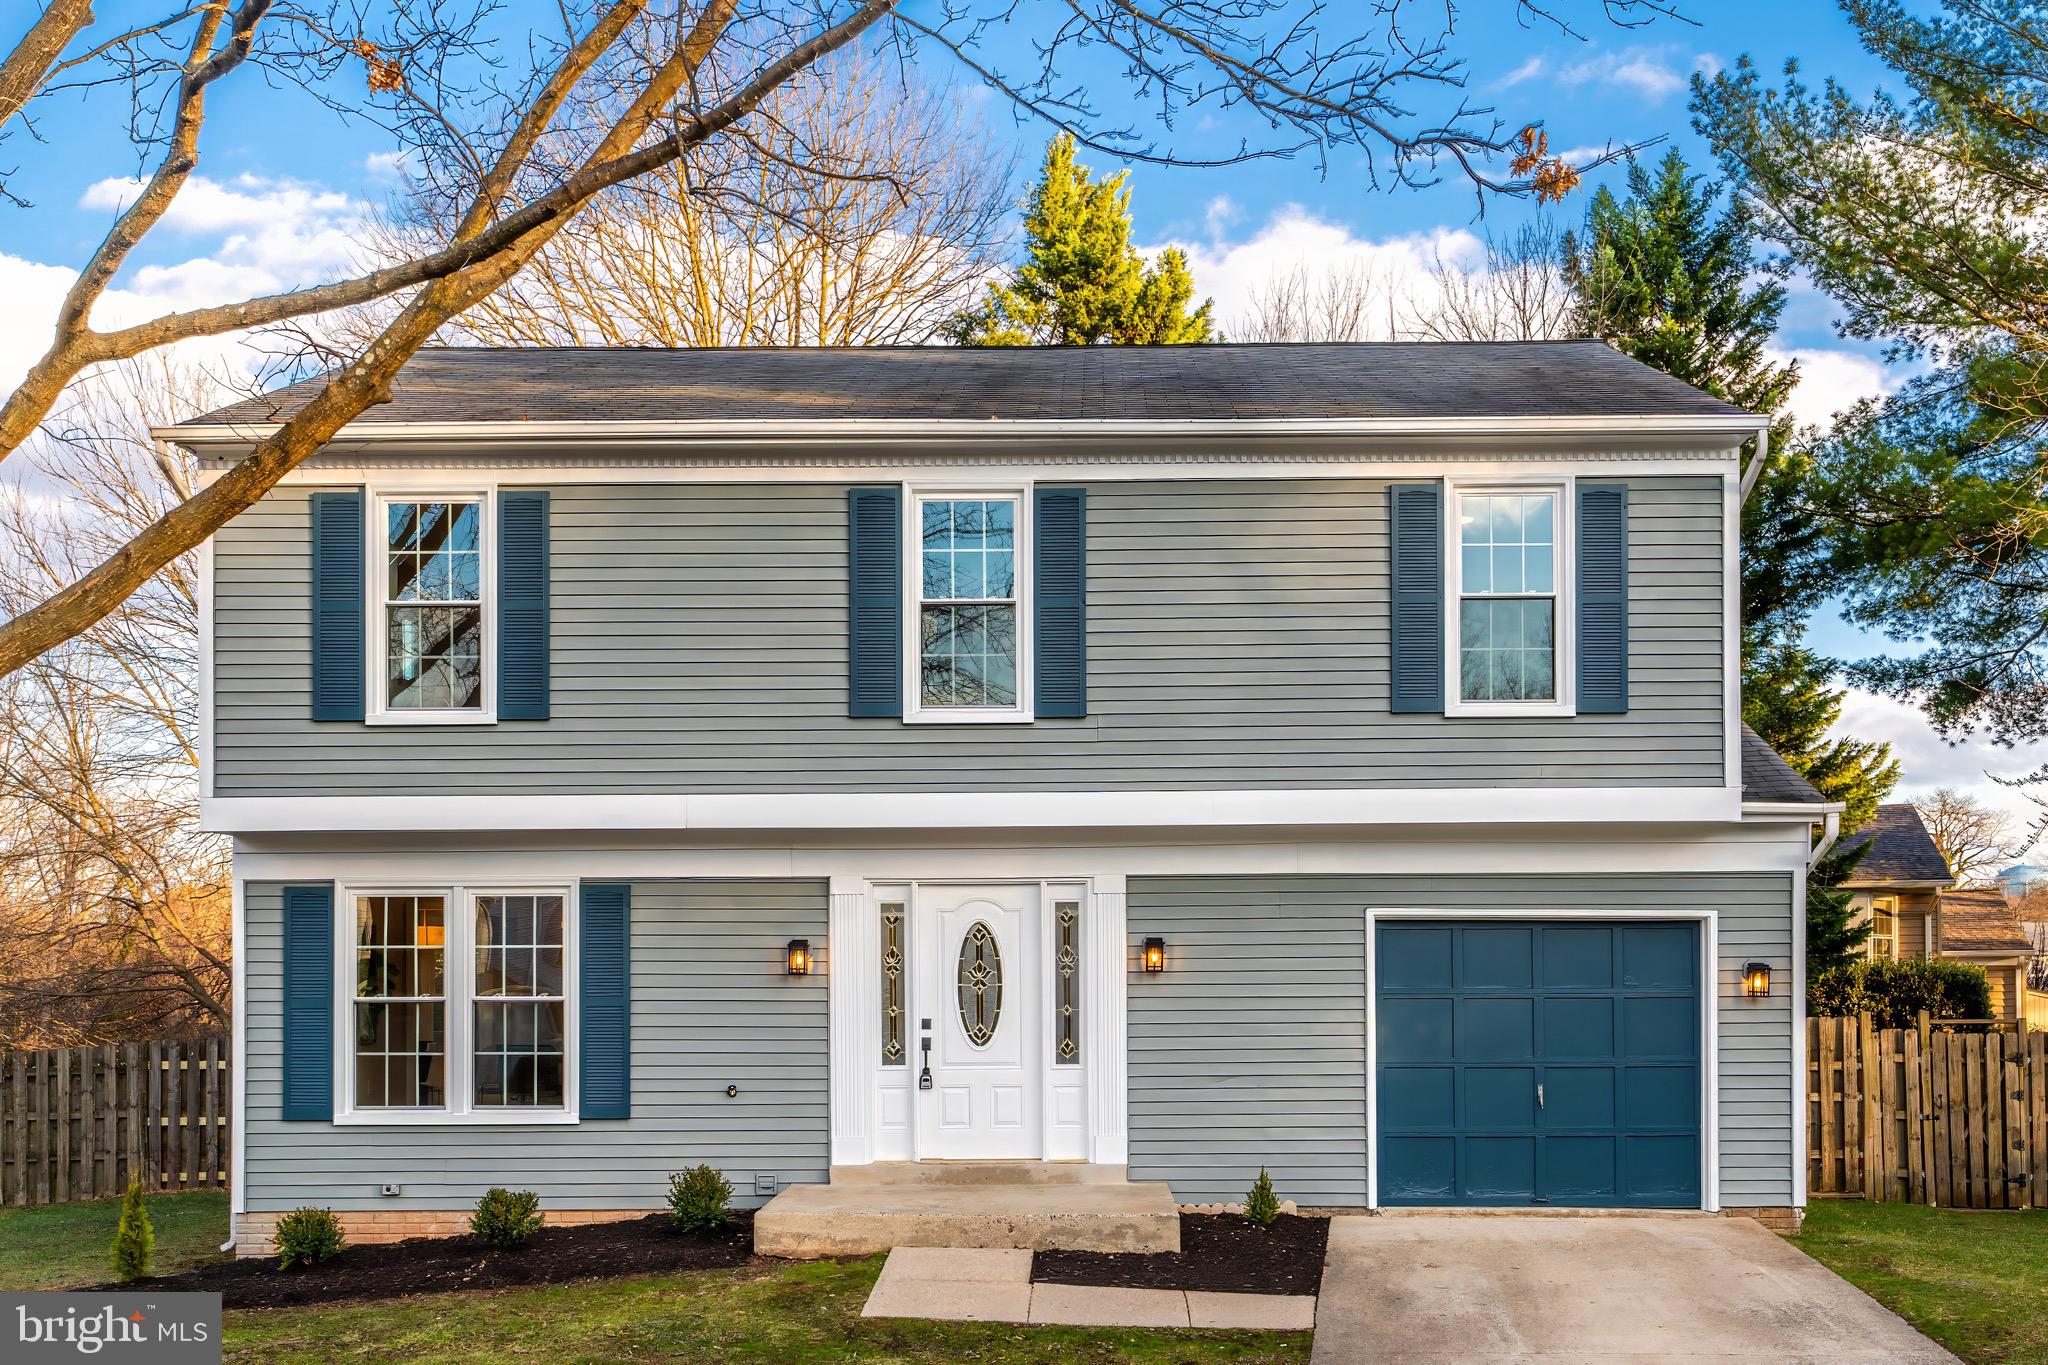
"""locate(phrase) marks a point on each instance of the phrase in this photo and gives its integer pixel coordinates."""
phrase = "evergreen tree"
(134, 1238)
(1082, 282)
(1920, 214)
(1831, 939)
(1787, 700)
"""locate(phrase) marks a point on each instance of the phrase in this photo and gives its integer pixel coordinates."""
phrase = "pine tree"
(1831, 939)
(1787, 700)
(134, 1238)
(1082, 282)
(1262, 1206)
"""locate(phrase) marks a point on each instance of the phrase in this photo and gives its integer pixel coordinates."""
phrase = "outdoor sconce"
(1155, 956)
(799, 957)
(1756, 979)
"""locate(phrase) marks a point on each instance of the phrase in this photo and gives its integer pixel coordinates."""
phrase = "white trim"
(1564, 702)
(376, 592)
(912, 531)
(1144, 809)
(1796, 989)
(458, 995)
(1805, 811)
(205, 718)
(853, 1007)
(1731, 631)
(1739, 426)
(1105, 1029)
(238, 1059)
(1710, 996)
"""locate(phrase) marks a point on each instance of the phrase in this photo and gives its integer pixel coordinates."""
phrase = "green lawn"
(1975, 1282)
(62, 1245)
(803, 1313)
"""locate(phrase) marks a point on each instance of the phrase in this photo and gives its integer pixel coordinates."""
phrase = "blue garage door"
(1551, 1063)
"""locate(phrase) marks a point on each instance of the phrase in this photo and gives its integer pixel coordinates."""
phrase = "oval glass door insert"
(981, 984)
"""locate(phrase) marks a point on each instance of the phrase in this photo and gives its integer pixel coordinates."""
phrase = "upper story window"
(1884, 927)
(428, 647)
(1509, 615)
(460, 1005)
(968, 589)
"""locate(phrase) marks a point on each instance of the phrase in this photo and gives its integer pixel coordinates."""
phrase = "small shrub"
(1896, 991)
(134, 1239)
(1260, 1205)
(308, 1236)
(697, 1199)
(506, 1219)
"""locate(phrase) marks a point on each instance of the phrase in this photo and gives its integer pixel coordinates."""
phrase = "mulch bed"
(1220, 1252)
(433, 1265)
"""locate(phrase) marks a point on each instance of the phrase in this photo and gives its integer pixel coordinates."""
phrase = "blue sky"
(284, 178)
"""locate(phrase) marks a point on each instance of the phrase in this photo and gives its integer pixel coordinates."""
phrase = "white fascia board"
(1790, 810)
(1735, 426)
(976, 810)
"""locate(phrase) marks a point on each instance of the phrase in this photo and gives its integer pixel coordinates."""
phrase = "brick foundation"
(1783, 1221)
(256, 1233)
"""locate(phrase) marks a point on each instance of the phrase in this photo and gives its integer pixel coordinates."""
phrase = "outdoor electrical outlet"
(764, 1184)
(391, 1189)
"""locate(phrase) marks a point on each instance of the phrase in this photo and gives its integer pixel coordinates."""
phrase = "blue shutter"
(1060, 602)
(604, 979)
(338, 634)
(1603, 597)
(523, 605)
(875, 627)
(308, 1002)
(1415, 511)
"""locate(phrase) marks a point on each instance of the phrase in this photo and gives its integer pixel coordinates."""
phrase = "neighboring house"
(1323, 758)
(1903, 888)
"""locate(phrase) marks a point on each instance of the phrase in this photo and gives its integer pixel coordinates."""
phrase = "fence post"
(1870, 1061)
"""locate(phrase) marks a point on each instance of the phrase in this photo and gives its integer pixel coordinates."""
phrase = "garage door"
(1551, 1063)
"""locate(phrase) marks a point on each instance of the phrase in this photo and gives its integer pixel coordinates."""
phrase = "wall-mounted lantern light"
(1155, 955)
(1756, 979)
(799, 957)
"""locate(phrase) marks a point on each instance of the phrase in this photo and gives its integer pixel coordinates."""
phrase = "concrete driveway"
(1458, 1287)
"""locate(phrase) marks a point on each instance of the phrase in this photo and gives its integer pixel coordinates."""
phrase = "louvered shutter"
(1417, 628)
(523, 605)
(875, 625)
(309, 985)
(1602, 654)
(1060, 602)
(338, 634)
(604, 979)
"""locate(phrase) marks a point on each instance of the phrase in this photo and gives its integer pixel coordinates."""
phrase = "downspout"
(1756, 464)
(1830, 830)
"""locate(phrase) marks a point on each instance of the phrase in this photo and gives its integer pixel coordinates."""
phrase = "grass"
(1975, 1282)
(60, 1246)
(801, 1313)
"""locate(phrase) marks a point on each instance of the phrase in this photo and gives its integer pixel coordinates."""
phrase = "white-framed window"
(967, 608)
(1508, 609)
(430, 589)
(1883, 942)
(457, 1006)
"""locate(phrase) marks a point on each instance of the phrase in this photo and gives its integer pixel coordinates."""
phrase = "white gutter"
(1715, 424)
(1829, 813)
(1756, 465)
(1830, 831)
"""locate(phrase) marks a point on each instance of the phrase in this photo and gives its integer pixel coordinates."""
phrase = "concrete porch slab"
(860, 1219)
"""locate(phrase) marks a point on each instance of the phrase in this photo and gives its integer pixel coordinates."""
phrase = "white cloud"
(388, 164)
(1927, 761)
(1831, 381)
(1645, 70)
(205, 205)
(1527, 71)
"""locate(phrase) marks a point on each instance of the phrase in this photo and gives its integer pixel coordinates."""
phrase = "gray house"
(1115, 768)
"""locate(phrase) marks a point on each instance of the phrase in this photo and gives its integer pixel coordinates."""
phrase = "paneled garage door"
(1542, 1063)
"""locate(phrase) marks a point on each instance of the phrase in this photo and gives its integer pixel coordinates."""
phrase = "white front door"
(979, 1013)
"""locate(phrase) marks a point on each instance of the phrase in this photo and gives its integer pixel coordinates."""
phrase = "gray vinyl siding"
(712, 1007)
(1250, 1049)
(1237, 638)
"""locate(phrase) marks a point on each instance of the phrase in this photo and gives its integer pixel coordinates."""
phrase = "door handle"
(1539, 1094)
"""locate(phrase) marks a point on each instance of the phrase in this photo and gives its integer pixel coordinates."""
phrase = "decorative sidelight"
(1066, 1037)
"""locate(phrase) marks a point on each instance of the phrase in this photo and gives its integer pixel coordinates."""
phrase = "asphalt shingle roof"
(1768, 777)
(1980, 922)
(1080, 383)
(1901, 849)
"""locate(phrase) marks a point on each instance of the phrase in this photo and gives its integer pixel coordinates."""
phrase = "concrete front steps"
(1020, 1205)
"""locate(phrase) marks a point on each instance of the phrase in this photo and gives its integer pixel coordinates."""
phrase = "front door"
(978, 1011)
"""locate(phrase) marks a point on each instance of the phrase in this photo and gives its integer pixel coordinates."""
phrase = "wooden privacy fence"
(1928, 1115)
(82, 1122)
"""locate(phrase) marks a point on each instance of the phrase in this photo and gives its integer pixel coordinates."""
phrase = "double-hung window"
(1884, 927)
(1509, 604)
(460, 1005)
(430, 571)
(967, 653)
